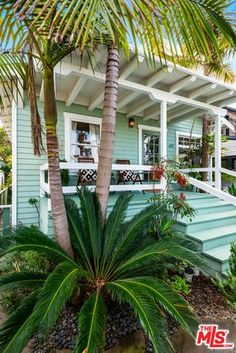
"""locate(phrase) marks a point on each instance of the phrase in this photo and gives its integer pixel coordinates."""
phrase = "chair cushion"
(88, 175)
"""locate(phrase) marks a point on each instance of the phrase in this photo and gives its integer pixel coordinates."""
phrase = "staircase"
(213, 229)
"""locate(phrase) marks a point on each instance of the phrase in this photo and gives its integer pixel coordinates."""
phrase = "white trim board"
(142, 128)
(14, 164)
(69, 117)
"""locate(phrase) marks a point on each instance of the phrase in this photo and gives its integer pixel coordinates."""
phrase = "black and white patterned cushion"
(128, 175)
(88, 175)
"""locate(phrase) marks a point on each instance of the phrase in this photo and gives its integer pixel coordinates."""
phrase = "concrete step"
(215, 237)
(213, 207)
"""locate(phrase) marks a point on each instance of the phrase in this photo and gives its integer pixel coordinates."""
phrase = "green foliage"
(16, 271)
(228, 285)
(232, 190)
(6, 157)
(180, 284)
(116, 261)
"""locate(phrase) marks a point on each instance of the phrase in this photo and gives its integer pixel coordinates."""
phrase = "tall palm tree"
(83, 23)
(153, 24)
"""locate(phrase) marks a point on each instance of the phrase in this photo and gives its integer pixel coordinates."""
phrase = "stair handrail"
(212, 190)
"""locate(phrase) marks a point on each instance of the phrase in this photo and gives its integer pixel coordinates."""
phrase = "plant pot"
(188, 274)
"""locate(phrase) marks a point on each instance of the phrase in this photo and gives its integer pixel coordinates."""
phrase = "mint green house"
(160, 114)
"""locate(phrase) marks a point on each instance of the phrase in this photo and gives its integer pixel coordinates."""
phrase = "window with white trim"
(187, 147)
(82, 137)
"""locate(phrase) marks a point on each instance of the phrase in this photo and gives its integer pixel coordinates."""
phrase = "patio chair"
(126, 176)
(86, 176)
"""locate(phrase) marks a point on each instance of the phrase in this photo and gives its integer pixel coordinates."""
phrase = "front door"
(150, 147)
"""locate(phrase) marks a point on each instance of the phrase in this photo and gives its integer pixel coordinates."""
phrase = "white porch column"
(163, 126)
(163, 135)
(218, 151)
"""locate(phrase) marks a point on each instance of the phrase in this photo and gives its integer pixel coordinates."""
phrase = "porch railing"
(76, 167)
(209, 186)
(5, 209)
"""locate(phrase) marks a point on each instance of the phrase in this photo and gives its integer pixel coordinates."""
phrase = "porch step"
(215, 237)
(218, 258)
(206, 221)
(213, 229)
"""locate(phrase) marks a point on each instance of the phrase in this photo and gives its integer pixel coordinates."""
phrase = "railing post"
(163, 126)
(218, 152)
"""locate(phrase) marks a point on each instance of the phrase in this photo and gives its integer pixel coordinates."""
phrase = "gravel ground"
(204, 297)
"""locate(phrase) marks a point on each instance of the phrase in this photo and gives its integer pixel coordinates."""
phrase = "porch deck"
(213, 228)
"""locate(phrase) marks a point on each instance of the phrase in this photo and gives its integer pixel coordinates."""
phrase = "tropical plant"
(172, 205)
(5, 156)
(115, 262)
(232, 189)
(160, 27)
(228, 284)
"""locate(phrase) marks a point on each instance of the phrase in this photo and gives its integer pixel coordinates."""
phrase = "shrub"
(115, 261)
(228, 285)
(180, 284)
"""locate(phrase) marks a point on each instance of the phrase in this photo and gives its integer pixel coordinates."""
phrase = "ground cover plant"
(117, 261)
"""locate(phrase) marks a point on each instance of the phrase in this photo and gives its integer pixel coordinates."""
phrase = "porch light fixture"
(131, 122)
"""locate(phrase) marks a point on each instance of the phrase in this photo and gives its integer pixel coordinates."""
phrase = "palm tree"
(105, 267)
(116, 24)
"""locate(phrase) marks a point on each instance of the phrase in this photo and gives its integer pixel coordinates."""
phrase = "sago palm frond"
(19, 280)
(147, 311)
(32, 239)
(19, 327)
(92, 324)
(55, 293)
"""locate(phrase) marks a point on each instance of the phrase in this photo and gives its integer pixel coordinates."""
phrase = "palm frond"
(167, 298)
(130, 232)
(78, 235)
(113, 226)
(156, 26)
(92, 322)
(54, 294)
(32, 239)
(18, 280)
(150, 315)
(91, 224)
(19, 327)
(157, 252)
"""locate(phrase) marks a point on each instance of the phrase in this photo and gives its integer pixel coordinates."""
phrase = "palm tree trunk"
(108, 129)
(205, 158)
(57, 199)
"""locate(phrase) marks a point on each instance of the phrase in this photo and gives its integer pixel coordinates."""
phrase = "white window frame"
(142, 128)
(185, 134)
(69, 117)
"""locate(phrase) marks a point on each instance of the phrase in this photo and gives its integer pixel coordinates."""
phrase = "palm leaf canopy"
(118, 261)
(160, 27)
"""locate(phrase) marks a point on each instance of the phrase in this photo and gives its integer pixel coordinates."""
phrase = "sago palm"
(118, 24)
(116, 262)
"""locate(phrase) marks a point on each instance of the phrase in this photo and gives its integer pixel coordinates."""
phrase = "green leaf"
(54, 294)
(168, 298)
(92, 322)
(19, 327)
(18, 280)
(150, 315)
(32, 239)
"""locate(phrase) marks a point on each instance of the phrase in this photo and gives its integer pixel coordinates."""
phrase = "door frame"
(142, 128)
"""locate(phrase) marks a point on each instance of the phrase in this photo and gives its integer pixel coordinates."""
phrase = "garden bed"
(205, 298)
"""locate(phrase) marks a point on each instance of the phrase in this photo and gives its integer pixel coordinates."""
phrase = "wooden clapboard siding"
(126, 147)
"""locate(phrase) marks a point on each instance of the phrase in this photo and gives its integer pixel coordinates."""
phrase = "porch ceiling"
(141, 88)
